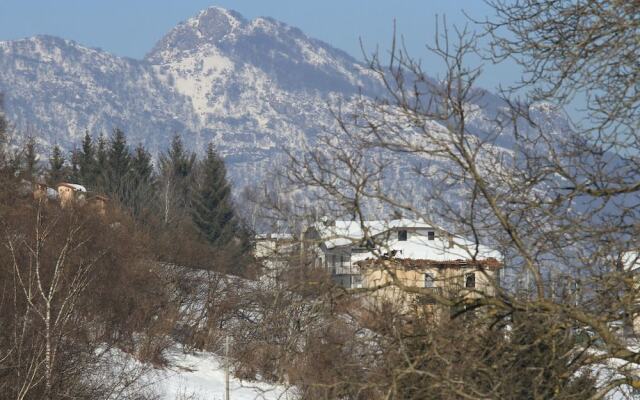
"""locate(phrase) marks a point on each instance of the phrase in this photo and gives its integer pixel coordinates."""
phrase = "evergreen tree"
(5, 156)
(30, 160)
(117, 164)
(140, 187)
(57, 171)
(87, 162)
(74, 173)
(176, 180)
(178, 161)
(101, 166)
(141, 165)
(212, 207)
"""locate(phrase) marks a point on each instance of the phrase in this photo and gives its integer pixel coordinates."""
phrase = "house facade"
(377, 254)
(274, 251)
(71, 193)
(67, 195)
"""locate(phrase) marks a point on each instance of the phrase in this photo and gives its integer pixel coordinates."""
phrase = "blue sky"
(131, 27)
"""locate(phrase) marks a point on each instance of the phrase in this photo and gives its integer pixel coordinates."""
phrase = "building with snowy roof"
(387, 254)
(71, 193)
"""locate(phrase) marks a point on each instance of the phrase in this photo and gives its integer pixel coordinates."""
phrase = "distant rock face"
(251, 87)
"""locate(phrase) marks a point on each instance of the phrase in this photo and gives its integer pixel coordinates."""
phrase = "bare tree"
(558, 200)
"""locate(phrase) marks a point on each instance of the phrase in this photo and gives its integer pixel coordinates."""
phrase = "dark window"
(345, 262)
(429, 282)
(431, 235)
(470, 280)
(402, 235)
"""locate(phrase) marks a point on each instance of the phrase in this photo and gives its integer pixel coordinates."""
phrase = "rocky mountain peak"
(209, 27)
(215, 23)
(253, 87)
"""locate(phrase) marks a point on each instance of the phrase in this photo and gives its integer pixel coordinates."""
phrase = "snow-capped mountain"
(253, 87)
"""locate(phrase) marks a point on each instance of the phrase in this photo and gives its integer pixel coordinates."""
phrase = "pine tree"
(87, 162)
(74, 173)
(212, 207)
(30, 160)
(101, 165)
(5, 156)
(57, 170)
(118, 163)
(140, 186)
(176, 180)
(178, 161)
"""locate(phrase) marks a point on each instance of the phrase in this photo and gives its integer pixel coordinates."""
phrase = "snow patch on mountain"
(252, 87)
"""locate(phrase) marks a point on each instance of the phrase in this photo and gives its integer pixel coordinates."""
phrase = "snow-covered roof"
(342, 233)
(74, 186)
(443, 247)
(274, 236)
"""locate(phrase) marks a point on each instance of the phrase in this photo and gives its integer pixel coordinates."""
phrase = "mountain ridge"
(253, 87)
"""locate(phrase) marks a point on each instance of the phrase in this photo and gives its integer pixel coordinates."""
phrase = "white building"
(341, 245)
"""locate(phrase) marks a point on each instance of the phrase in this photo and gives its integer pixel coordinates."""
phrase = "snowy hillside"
(201, 376)
(187, 376)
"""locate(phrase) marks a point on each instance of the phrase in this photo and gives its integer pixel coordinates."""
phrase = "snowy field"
(201, 376)
(190, 376)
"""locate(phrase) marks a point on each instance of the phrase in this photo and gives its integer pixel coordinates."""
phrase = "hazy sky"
(131, 27)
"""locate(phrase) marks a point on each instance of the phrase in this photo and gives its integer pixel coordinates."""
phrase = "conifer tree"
(5, 157)
(118, 163)
(87, 162)
(57, 171)
(140, 186)
(30, 160)
(176, 180)
(212, 207)
(74, 173)
(101, 165)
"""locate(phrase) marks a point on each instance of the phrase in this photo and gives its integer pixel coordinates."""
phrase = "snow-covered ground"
(201, 376)
(188, 376)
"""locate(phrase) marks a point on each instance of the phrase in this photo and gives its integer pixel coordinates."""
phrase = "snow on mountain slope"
(252, 87)
(55, 89)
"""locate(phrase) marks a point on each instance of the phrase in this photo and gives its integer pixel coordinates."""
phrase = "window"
(470, 280)
(345, 263)
(431, 235)
(429, 281)
(356, 281)
(402, 235)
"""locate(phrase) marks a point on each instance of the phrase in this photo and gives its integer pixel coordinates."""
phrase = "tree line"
(83, 292)
(184, 193)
